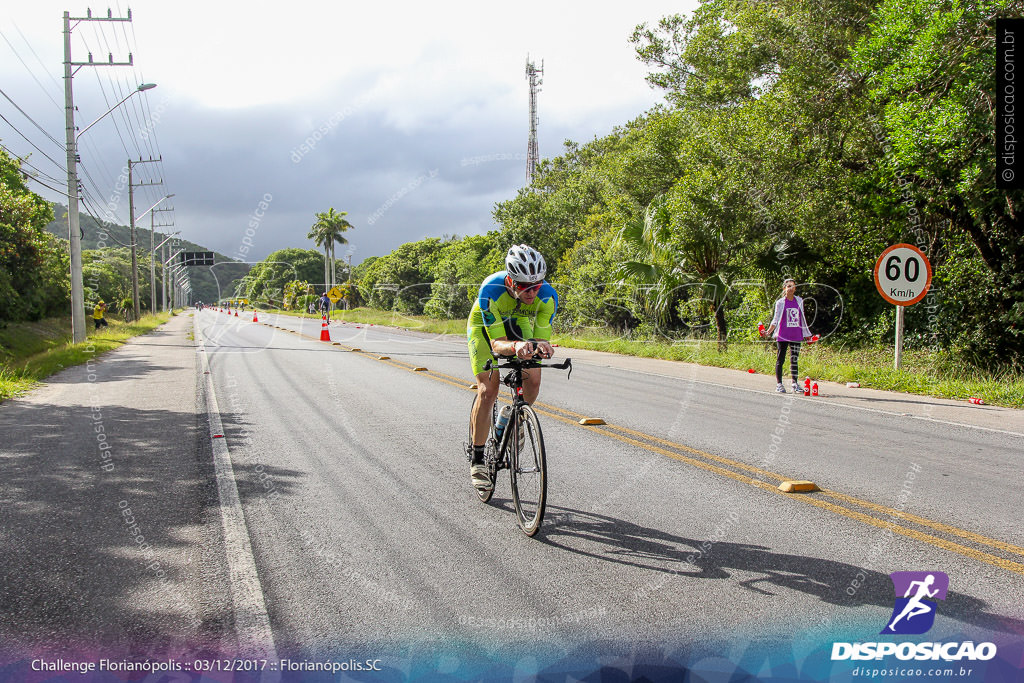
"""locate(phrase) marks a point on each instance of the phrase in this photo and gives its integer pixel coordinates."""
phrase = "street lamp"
(152, 269)
(152, 250)
(169, 272)
(142, 88)
(74, 234)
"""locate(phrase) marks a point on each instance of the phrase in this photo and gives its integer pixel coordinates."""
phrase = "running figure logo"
(914, 612)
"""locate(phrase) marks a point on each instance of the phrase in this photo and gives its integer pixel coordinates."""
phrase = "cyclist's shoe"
(480, 475)
(780, 389)
(796, 388)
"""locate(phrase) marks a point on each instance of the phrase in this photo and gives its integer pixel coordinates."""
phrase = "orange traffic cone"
(236, 313)
(254, 318)
(324, 334)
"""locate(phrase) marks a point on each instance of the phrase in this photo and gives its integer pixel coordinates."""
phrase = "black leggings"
(794, 355)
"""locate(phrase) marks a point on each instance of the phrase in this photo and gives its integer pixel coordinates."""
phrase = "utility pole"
(163, 280)
(131, 223)
(173, 251)
(74, 231)
(152, 255)
(533, 75)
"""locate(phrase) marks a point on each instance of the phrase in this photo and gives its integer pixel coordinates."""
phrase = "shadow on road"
(616, 540)
(119, 553)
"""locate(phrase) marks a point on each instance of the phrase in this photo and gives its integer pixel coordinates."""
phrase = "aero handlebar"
(515, 363)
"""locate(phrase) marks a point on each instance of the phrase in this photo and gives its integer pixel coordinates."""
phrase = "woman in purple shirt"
(790, 327)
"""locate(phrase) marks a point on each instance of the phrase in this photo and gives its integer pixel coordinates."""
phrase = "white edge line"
(818, 400)
(252, 624)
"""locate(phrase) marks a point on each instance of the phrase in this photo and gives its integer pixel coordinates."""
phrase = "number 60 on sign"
(903, 274)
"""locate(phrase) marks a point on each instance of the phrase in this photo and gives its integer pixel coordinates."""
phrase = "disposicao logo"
(914, 612)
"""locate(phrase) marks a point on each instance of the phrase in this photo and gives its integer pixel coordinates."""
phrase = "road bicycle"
(523, 456)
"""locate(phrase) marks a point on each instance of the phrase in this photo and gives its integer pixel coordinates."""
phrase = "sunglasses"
(527, 286)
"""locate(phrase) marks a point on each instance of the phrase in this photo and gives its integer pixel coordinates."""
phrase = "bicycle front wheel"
(529, 471)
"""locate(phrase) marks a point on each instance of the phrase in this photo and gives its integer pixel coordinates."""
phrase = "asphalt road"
(305, 499)
(373, 535)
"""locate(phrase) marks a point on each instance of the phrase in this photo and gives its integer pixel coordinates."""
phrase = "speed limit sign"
(903, 274)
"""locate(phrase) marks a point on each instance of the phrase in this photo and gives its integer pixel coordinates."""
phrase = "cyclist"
(324, 304)
(511, 317)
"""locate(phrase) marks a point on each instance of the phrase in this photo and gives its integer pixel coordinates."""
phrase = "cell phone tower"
(534, 76)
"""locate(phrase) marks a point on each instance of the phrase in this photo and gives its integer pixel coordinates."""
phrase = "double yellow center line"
(874, 514)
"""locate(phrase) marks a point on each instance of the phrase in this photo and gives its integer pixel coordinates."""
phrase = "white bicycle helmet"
(525, 264)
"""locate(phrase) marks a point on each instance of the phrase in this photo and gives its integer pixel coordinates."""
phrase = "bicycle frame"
(514, 381)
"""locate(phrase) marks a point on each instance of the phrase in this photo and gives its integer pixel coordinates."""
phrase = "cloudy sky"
(413, 115)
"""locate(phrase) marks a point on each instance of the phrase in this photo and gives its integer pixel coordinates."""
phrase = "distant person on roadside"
(99, 314)
(789, 329)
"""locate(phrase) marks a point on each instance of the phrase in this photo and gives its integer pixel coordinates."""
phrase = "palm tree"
(683, 248)
(316, 233)
(326, 232)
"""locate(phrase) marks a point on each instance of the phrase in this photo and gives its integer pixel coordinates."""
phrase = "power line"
(23, 113)
(130, 106)
(106, 101)
(24, 161)
(41, 64)
(149, 124)
(31, 73)
(14, 128)
(101, 169)
(49, 187)
(103, 224)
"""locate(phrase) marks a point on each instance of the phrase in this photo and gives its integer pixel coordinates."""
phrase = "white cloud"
(427, 84)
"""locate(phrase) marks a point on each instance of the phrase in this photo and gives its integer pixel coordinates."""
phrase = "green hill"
(209, 284)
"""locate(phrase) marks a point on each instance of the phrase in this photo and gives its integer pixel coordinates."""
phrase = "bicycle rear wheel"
(529, 472)
(485, 496)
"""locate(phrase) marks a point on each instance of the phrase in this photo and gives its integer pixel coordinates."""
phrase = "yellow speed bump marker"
(383, 357)
(472, 386)
(798, 486)
(336, 344)
(592, 421)
(359, 350)
(419, 369)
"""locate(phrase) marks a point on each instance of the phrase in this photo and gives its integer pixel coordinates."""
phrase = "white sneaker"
(480, 475)
(797, 389)
(780, 389)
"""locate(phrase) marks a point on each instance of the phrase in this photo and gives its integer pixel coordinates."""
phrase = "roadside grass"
(30, 352)
(420, 323)
(924, 372)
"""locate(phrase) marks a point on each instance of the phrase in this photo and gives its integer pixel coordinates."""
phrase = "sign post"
(903, 276)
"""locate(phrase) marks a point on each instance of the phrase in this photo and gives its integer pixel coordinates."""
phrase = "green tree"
(929, 65)
(34, 279)
(267, 280)
(401, 281)
(457, 272)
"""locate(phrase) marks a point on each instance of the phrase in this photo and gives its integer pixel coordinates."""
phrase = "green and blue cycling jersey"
(497, 313)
